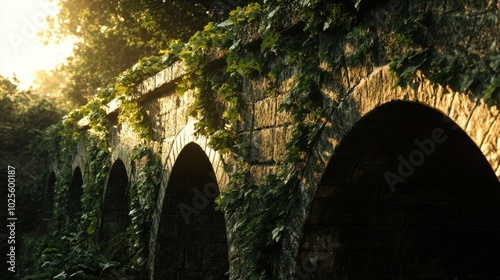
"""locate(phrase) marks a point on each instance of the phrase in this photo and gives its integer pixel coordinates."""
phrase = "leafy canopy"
(112, 35)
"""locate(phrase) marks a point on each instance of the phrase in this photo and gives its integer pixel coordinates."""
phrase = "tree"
(112, 35)
(52, 84)
(24, 116)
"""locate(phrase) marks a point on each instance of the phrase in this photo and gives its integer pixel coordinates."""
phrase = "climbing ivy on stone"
(260, 213)
(146, 166)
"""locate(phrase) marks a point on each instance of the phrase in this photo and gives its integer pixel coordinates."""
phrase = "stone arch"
(185, 215)
(480, 123)
(406, 194)
(121, 152)
(75, 193)
(48, 199)
(472, 115)
(114, 218)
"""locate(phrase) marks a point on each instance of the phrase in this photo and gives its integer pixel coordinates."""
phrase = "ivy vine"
(262, 211)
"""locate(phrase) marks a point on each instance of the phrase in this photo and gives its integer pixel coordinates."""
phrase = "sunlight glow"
(21, 50)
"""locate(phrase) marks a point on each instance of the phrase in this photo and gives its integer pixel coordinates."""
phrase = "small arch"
(75, 193)
(48, 198)
(406, 194)
(191, 238)
(115, 211)
(172, 152)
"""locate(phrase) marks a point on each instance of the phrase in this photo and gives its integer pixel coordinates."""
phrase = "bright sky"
(21, 50)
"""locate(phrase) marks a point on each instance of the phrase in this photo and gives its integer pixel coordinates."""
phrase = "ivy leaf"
(273, 12)
(235, 45)
(276, 234)
(269, 41)
(61, 276)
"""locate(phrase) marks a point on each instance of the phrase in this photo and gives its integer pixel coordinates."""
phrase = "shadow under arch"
(75, 193)
(406, 194)
(191, 240)
(115, 217)
(48, 201)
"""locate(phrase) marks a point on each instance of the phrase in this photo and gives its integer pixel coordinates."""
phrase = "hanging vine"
(262, 211)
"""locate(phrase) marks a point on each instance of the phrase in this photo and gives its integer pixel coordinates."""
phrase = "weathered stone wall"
(463, 30)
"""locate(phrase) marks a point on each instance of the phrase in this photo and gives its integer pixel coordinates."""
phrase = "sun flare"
(21, 51)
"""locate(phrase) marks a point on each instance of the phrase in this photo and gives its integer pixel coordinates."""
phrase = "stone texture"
(262, 146)
(265, 113)
(356, 193)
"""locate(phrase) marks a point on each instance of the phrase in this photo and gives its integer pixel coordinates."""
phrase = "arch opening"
(115, 212)
(192, 239)
(75, 193)
(407, 194)
(48, 200)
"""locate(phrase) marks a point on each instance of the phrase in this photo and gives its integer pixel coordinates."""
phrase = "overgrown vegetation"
(110, 36)
(259, 229)
(25, 114)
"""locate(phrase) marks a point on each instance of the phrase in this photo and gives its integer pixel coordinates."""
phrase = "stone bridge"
(402, 182)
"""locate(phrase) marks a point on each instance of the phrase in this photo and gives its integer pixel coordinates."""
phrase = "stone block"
(282, 135)
(246, 120)
(265, 113)
(259, 173)
(491, 144)
(462, 108)
(357, 73)
(282, 117)
(480, 122)
(262, 150)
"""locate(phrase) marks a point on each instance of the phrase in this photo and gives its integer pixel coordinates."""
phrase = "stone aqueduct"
(441, 220)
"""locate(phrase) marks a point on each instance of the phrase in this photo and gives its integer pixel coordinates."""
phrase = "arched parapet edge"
(469, 112)
(79, 159)
(78, 162)
(123, 153)
(172, 148)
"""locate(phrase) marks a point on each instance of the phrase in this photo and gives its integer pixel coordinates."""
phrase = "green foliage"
(261, 212)
(58, 259)
(492, 93)
(110, 36)
(405, 66)
(417, 54)
(364, 41)
(146, 165)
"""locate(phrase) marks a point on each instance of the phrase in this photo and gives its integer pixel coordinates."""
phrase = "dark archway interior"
(115, 216)
(75, 193)
(48, 201)
(192, 241)
(406, 195)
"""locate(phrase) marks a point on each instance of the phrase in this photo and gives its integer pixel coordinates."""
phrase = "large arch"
(406, 194)
(191, 238)
(115, 217)
(480, 122)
